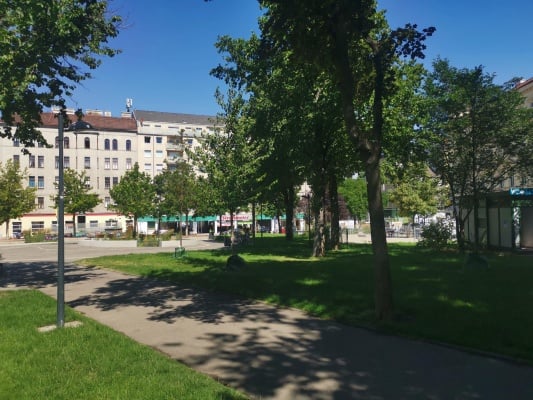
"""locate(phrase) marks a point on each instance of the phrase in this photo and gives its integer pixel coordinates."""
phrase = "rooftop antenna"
(129, 104)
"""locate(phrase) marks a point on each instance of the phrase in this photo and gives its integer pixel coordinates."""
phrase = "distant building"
(164, 136)
(105, 148)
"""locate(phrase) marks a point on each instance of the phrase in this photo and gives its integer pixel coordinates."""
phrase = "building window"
(16, 142)
(159, 167)
(93, 224)
(16, 227)
(107, 202)
(16, 160)
(148, 154)
(128, 145)
(87, 163)
(147, 139)
(115, 180)
(40, 202)
(66, 143)
(115, 144)
(31, 162)
(66, 162)
(87, 181)
(107, 163)
(107, 183)
(107, 145)
(159, 153)
(40, 161)
(115, 163)
(148, 167)
(87, 143)
(57, 142)
(37, 226)
(128, 164)
(31, 181)
(40, 182)
(158, 139)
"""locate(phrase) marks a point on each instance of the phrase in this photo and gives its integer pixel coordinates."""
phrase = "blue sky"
(168, 47)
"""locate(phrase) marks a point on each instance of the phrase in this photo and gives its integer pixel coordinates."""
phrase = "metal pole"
(61, 233)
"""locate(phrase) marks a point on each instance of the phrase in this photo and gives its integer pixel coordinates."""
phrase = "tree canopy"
(480, 135)
(77, 199)
(134, 196)
(47, 47)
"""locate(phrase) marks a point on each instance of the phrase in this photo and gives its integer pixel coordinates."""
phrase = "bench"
(179, 252)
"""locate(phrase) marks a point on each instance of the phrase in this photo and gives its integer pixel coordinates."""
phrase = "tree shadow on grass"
(272, 352)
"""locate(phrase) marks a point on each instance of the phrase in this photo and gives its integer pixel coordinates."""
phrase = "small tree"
(134, 195)
(15, 199)
(416, 192)
(77, 199)
(354, 193)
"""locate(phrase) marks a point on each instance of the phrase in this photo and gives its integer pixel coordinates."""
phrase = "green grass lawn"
(436, 297)
(88, 362)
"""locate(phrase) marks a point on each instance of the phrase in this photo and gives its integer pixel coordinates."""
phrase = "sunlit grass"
(435, 295)
(88, 362)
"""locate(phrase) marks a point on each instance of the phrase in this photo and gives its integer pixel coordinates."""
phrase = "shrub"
(435, 236)
(148, 241)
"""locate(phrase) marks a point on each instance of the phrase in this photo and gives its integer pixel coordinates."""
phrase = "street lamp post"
(61, 230)
(77, 127)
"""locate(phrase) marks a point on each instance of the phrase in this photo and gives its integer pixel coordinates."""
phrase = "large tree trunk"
(289, 199)
(368, 145)
(382, 277)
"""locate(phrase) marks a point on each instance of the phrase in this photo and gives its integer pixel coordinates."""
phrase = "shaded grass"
(88, 362)
(436, 297)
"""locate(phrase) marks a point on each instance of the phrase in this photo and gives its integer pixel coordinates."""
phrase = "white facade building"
(104, 153)
(164, 137)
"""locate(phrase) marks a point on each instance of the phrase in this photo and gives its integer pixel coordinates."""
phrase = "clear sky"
(168, 47)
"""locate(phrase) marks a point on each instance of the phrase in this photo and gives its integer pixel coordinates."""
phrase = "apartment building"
(103, 146)
(164, 137)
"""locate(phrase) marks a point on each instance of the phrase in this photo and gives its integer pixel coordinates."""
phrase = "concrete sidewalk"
(273, 353)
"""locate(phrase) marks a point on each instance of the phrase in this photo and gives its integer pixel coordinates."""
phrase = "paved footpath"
(268, 352)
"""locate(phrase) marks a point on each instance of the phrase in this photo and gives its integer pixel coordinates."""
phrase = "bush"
(148, 241)
(40, 236)
(435, 236)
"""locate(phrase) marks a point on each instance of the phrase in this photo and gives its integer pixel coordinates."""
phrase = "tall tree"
(77, 198)
(134, 195)
(481, 136)
(350, 41)
(47, 47)
(15, 198)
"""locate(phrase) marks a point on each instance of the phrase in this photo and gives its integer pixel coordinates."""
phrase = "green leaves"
(15, 198)
(45, 47)
(134, 195)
